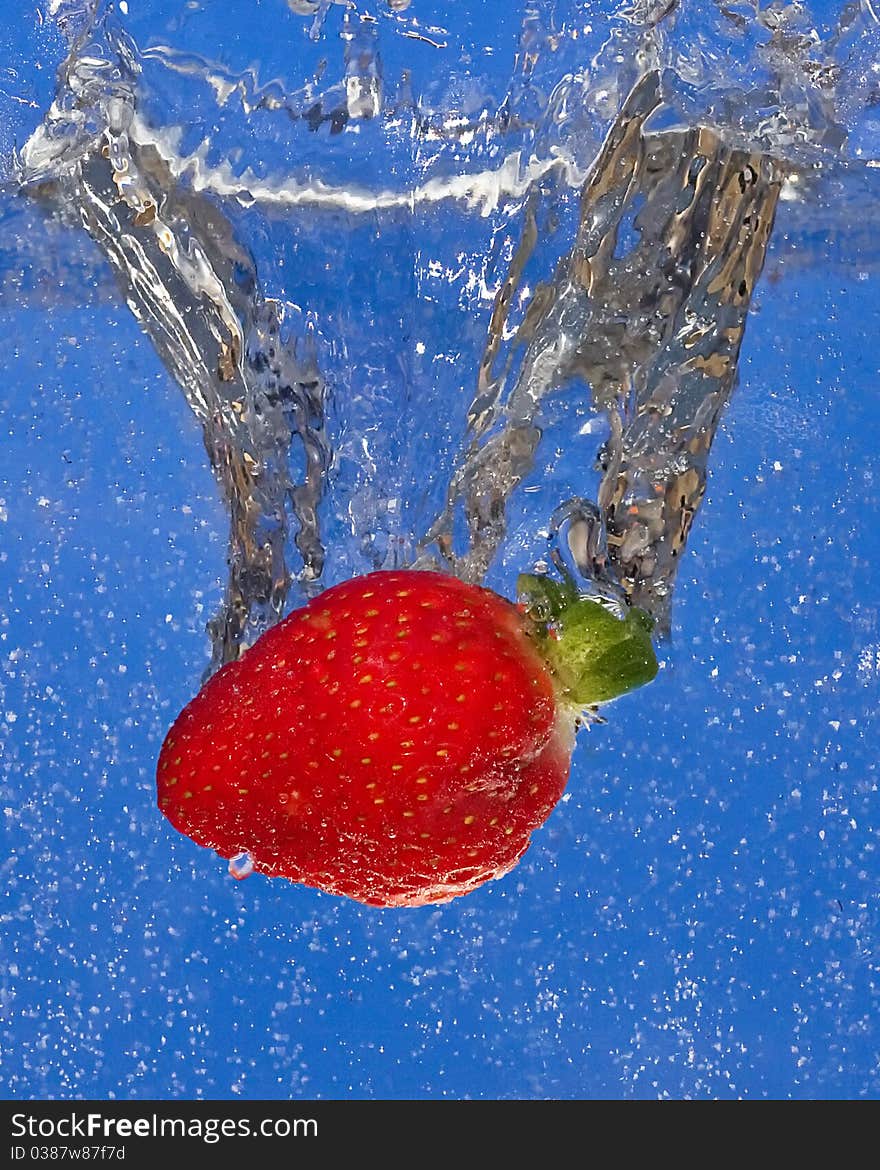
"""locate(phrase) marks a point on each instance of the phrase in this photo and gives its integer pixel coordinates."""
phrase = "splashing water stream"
(645, 304)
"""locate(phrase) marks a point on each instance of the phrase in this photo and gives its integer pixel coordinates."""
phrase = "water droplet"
(241, 866)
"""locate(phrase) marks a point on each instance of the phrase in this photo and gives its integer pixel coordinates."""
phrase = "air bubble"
(241, 866)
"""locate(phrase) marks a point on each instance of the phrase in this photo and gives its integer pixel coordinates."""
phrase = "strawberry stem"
(595, 653)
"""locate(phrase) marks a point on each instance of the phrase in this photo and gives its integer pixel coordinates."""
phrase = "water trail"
(196, 293)
(648, 309)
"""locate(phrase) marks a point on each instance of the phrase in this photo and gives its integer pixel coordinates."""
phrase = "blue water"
(699, 917)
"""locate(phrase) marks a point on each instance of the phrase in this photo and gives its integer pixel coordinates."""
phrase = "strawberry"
(398, 738)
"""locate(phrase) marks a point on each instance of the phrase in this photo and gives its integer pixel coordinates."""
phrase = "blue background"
(698, 918)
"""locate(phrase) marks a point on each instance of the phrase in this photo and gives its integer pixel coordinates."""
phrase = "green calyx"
(594, 654)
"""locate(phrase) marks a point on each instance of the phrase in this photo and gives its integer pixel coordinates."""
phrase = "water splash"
(652, 321)
(195, 291)
(628, 175)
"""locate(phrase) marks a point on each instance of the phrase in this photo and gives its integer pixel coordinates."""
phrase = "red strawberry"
(396, 740)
